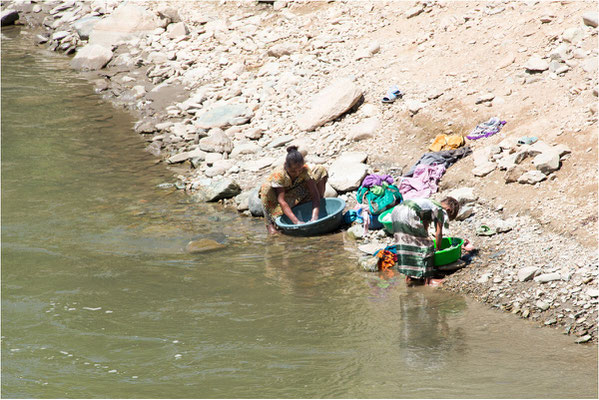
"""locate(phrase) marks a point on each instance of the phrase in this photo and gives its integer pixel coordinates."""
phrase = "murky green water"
(100, 300)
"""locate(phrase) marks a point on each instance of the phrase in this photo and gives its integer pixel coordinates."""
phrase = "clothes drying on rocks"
(376, 180)
(379, 198)
(486, 129)
(447, 158)
(446, 142)
(423, 182)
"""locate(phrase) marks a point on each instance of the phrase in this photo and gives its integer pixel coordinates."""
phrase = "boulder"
(223, 188)
(590, 18)
(329, 191)
(245, 148)
(128, 21)
(527, 273)
(280, 141)
(532, 177)
(224, 116)
(463, 195)
(217, 141)
(573, 35)
(330, 103)
(543, 278)
(547, 162)
(353, 156)
(365, 129)
(346, 175)
(85, 25)
(257, 165)
(176, 30)
(465, 212)
(255, 203)
(196, 154)
(536, 64)
(514, 173)
(91, 57)
(484, 169)
(9, 16)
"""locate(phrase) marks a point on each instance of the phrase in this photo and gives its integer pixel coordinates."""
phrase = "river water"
(99, 299)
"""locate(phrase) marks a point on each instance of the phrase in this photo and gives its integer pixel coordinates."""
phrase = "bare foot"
(413, 281)
(271, 230)
(434, 282)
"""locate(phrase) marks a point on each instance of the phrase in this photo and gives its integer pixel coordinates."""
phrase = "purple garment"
(376, 180)
(423, 183)
(486, 129)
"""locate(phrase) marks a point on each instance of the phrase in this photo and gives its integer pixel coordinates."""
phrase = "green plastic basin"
(387, 225)
(451, 251)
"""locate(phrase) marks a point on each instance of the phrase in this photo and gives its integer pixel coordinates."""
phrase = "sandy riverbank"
(221, 88)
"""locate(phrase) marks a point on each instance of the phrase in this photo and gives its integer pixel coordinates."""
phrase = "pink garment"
(423, 183)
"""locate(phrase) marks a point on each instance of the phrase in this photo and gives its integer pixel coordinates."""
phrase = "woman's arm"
(439, 234)
(285, 207)
(315, 198)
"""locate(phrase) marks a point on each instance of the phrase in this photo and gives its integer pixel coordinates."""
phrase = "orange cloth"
(444, 142)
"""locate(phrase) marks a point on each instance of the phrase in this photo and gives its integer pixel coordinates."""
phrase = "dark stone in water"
(9, 17)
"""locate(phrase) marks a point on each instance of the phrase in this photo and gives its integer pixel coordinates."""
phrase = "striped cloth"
(415, 249)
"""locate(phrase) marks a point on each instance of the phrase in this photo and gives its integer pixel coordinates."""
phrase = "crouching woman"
(292, 184)
(415, 249)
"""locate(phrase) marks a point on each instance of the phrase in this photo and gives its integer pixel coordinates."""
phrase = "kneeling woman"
(292, 184)
(415, 249)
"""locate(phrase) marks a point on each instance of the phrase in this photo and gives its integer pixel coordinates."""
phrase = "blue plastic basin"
(329, 218)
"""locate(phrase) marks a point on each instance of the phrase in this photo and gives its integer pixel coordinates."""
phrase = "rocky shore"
(221, 88)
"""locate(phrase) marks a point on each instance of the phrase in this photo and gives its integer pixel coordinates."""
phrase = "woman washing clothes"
(292, 184)
(415, 249)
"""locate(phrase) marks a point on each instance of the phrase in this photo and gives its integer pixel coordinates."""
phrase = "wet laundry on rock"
(486, 129)
(446, 142)
(376, 180)
(447, 158)
(423, 182)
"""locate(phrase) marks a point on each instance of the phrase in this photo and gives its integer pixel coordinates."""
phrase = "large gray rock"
(365, 129)
(255, 204)
(217, 141)
(527, 273)
(91, 57)
(330, 103)
(9, 17)
(590, 18)
(543, 278)
(547, 162)
(484, 169)
(536, 64)
(573, 35)
(224, 188)
(224, 116)
(532, 177)
(346, 175)
(196, 154)
(85, 25)
(463, 195)
(245, 148)
(126, 22)
(176, 30)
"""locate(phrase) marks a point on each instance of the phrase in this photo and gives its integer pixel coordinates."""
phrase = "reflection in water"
(426, 339)
(99, 298)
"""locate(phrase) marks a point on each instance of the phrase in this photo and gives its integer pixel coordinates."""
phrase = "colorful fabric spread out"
(379, 198)
(415, 249)
(376, 180)
(447, 158)
(386, 259)
(486, 129)
(423, 182)
(296, 190)
(445, 142)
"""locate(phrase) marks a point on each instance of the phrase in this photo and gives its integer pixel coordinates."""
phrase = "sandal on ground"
(527, 140)
(392, 94)
(484, 230)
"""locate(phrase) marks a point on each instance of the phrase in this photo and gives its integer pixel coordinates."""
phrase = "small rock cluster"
(511, 157)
